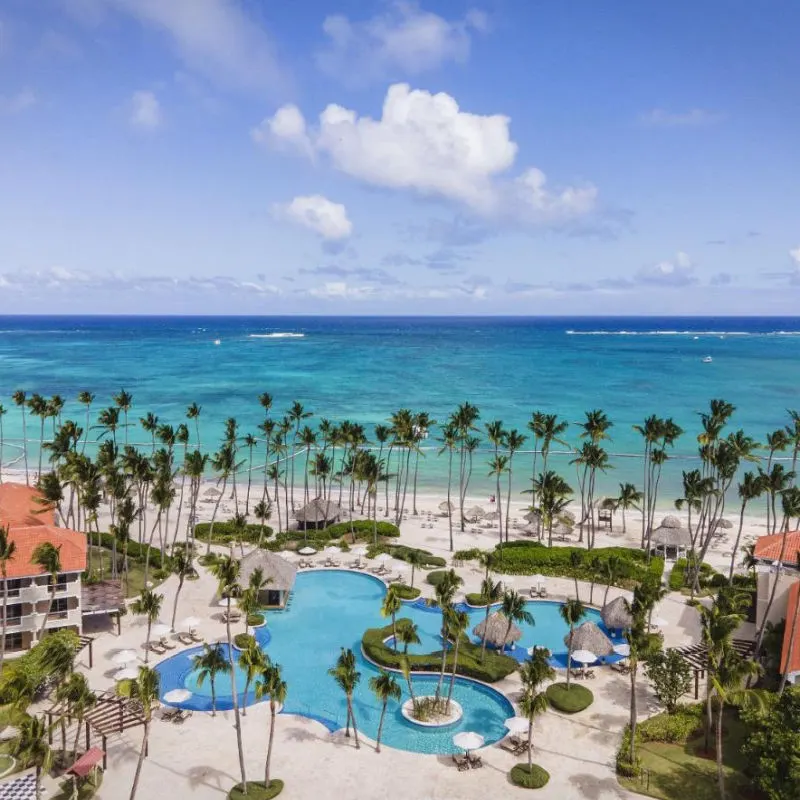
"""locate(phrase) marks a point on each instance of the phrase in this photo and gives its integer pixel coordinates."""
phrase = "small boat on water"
(217, 341)
(707, 360)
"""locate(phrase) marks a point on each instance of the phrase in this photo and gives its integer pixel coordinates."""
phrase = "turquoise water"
(331, 609)
(363, 369)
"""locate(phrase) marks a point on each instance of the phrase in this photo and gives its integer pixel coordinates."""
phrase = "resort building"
(278, 572)
(30, 524)
(768, 550)
(790, 661)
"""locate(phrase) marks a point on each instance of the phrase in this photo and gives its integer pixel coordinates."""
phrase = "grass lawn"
(680, 772)
(569, 701)
(135, 583)
(257, 791)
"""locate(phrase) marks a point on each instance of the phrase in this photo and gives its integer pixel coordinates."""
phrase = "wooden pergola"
(110, 715)
(696, 656)
(83, 643)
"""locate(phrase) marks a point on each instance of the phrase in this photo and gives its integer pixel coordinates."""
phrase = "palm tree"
(222, 462)
(750, 488)
(149, 424)
(181, 566)
(86, 399)
(629, 497)
(208, 664)
(408, 634)
(514, 442)
(272, 685)
(414, 559)
(8, 547)
(19, 399)
(48, 558)
(795, 612)
(457, 623)
(31, 747)
(532, 703)
(572, 612)
(250, 443)
(347, 678)
(262, 511)
(253, 661)
(515, 609)
(491, 592)
(193, 412)
(296, 414)
(391, 605)
(2, 414)
(37, 406)
(145, 690)
(496, 434)
(80, 699)
(638, 642)
(148, 604)
(385, 688)
(445, 592)
(612, 569)
(533, 673)
(449, 441)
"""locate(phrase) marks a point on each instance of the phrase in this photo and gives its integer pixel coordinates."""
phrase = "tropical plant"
(671, 677)
(491, 592)
(31, 747)
(385, 688)
(392, 603)
(271, 684)
(181, 563)
(47, 557)
(145, 690)
(408, 634)
(347, 678)
(148, 604)
(457, 623)
(253, 660)
(572, 612)
(208, 664)
(629, 497)
(515, 609)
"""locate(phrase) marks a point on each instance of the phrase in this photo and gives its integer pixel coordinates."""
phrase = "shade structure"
(474, 513)
(561, 528)
(615, 615)
(446, 507)
(538, 580)
(332, 550)
(567, 518)
(384, 557)
(516, 725)
(223, 602)
(189, 623)
(212, 492)
(622, 649)
(86, 763)
(671, 521)
(589, 637)
(468, 740)
(584, 657)
(124, 657)
(286, 554)
(127, 674)
(160, 629)
(670, 533)
(724, 523)
(359, 551)
(307, 551)
(492, 515)
(497, 631)
(318, 512)
(177, 696)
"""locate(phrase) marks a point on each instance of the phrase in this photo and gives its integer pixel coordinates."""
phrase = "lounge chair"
(509, 746)
(169, 713)
(461, 762)
(474, 760)
(521, 745)
(543, 591)
(534, 592)
(185, 638)
(196, 637)
(156, 648)
(578, 674)
(182, 715)
(589, 673)
(167, 645)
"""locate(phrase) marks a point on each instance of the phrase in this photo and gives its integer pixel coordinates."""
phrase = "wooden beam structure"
(696, 656)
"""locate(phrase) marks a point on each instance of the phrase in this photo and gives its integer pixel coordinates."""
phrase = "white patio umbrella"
(127, 674)
(307, 551)
(160, 629)
(125, 657)
(584, 657)
(177, 696)
(359, 551)
(190, 623)
(538, 580)
(516, 725)
(333, 550)
(286, 554)
(384, 557)
(468, 740)
(223, 603)
(622, 649)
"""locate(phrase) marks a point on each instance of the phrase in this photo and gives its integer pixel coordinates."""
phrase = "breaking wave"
(279, 335)
(682, 333)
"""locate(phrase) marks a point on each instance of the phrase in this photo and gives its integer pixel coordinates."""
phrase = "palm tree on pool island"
(514, 609)
(347, 678)
(385, 688)
(571, 612)
(271, 684)
(31, 747)
(208, 664)
(534, 672)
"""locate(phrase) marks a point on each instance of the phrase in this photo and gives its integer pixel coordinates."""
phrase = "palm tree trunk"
(452, 675)
(485, 628)
(269, 744)
(353, 718)
(444, 660)
(5, 616)
(177, 595)
(380, 729)
(414, 491)
(736, 545)
(139, 763)
(147, 641)
(530, 744)
(25, 457)
(50, 607)
(763, 628)
(449, 503)
(249, 482)
(214, 515)
(213, 698)
(235, 695)
(634, 711)
(720, 771)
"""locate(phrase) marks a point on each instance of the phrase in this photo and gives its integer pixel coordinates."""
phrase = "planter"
(456, 713)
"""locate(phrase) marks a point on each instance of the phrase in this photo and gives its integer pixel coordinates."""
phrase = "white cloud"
(696, 117)
(145, 111)
(215, 37)
(424, 142)
(795, 255)
(404, 39)
(677, 272)
(19, 102)
(319, 214)
(341, 290)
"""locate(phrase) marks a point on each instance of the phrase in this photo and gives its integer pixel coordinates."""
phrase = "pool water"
(331, 609)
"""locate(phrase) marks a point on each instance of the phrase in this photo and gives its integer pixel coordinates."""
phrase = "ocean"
(364, 368)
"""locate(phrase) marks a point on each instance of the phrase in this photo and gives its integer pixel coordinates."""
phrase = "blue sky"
(249, 156)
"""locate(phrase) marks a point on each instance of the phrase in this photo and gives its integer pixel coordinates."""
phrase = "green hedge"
(364, 529)
(401, 551)
(436, 577)
(226, 532)
(406, 592)
(254, 620)
(569, 701)
(495, 666)
(243, 640)
(136, 551)
(476, 599)
(531, 558)
(673, 728)
(340, 531)
(468, 555)
(533, 778)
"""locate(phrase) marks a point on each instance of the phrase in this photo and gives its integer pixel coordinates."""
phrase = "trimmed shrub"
(673, 728)
(624, 767)
(468, 555)
(495, 666)
(243, 640)
(226, 532)
(436, 577)
(254, 620)
(405, 592)
(534, 778)
(256, 790)
(136, 551)
(569, 701)
(476, 599)
(364, 530)
(401, 551)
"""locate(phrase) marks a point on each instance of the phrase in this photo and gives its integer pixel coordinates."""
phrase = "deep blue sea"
(363, 368)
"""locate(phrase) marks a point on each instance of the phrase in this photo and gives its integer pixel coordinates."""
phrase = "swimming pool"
(331, 609)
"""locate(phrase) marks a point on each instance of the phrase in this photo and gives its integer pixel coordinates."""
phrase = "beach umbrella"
(212, 492)
(622, 649)
(497, 630)
(615, 615)
(359, 551)
(286, 554)
(160, 629)
(474, 513)
(307, 551)
(516, 724)
(584, 657)
(125, 657)
(492, 515)
(177, 696)
(446, 507)
(532, 516)
(468, 740)
(332, 550)
(190, 623)
(588, 636)
(567, 518)
(538, 580)
(724, 523)
(126, 674)
(223, 603)
(384, 557)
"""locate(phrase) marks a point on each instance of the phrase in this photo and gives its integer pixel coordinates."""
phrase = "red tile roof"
(792, 612)
(769, 547)
(30, 525)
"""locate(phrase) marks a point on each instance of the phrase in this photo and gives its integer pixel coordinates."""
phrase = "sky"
(391, 157)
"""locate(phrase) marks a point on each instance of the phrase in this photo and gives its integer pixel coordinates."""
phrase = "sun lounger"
(533, 592)
(509, 746)
(589, 673)
(167, 645)
(543, 592)
(521, 745)
(169, 713)
(474, 760)
(461, 762)
(577, 673)
(156, 648)
(184, 638)
(195, 637)
(182, 715)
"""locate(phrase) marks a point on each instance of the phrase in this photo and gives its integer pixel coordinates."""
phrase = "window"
(13, 641)
(61, 583)
(14, 614)
(14, 585)
(59, 609)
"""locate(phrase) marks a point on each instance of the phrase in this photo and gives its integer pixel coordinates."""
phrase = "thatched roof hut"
(318, 513)
(475, 513)
(446, 507)
(496, 627)
(671, 535)
(615, 615)
(589, 637)
(278, 572)
(671, 521)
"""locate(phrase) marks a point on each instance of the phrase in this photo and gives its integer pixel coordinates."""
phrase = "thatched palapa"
(589, 637)
(474, 513)
(671, 535)
(318, 513)
(615, 615)
(496, 628)
(278, 572)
